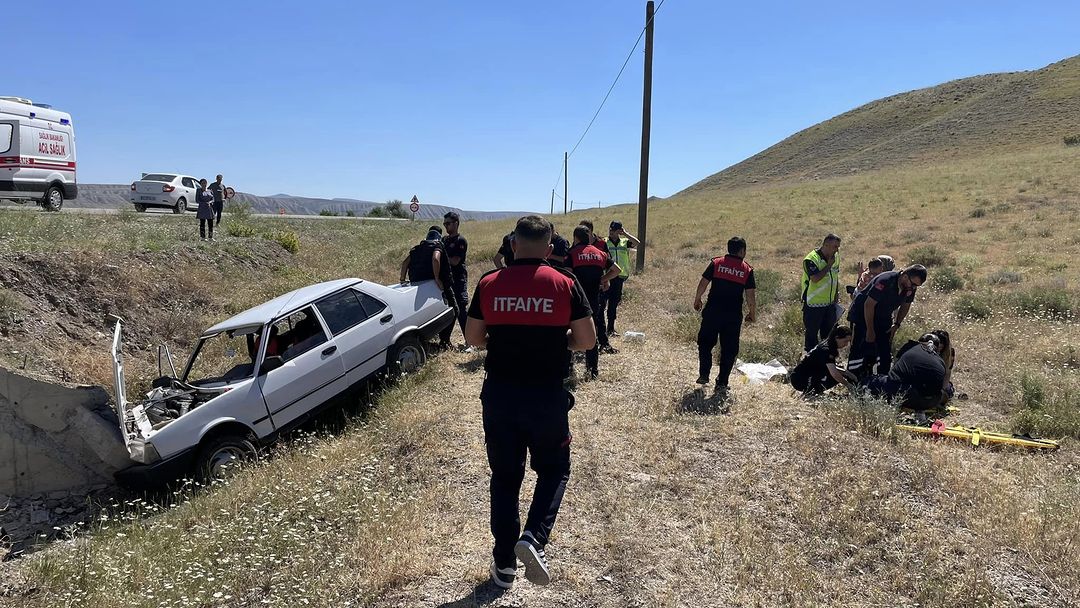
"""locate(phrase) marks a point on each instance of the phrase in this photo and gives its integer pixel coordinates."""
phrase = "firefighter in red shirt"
(594, 270)
(528, 315)
(727, 279)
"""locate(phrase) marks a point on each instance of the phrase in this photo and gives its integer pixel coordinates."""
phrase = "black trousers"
(219, 206)
(204, 225)
(520, 420)
(459, 294)
(609, 301)
(818, 321)
(592, 356)
(864, 355)
(725, 329)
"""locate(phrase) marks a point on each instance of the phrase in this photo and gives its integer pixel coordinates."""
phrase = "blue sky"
(473, 103)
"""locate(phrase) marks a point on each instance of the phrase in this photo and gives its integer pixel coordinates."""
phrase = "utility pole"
(566, 180)
(646, 127)
(552, 202)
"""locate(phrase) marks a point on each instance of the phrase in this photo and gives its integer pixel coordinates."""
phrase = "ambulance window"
(5, 138)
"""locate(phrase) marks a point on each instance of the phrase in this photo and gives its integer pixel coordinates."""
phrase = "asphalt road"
(166, 212)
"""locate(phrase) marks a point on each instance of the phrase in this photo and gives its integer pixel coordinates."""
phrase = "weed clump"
(287, 239)
(972, 306)
(929, 255)
(947, 279)
(1004, 277)
(1048, 301)
(1046, 413)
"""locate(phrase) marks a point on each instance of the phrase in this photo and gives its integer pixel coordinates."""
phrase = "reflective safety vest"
(817, 294)
(620, 254)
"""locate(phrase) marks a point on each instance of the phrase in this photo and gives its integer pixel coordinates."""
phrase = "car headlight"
(143, 452)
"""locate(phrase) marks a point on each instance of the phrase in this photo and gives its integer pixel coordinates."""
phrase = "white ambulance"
(37, 154)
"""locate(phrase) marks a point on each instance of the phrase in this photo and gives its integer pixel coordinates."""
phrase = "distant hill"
(961, 118)
(115, 196)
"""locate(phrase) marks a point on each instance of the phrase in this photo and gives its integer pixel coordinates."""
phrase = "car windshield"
(158, 177)
(223, 359)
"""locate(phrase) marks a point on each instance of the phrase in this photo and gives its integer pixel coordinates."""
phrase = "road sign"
(414, 205)
(229, 192)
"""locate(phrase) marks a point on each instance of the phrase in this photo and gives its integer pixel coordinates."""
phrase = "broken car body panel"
(270, 367)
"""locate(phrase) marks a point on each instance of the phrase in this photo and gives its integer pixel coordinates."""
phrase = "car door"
(360, 329)
(310, 373)
(188, 190)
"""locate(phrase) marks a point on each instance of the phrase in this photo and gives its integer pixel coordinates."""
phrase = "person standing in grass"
(527, 315)
(456, 248)
(205, 212)
(728, 278)
(594, 270)
(876, 314)
(820, 291)
(218, 189)
(619, 244)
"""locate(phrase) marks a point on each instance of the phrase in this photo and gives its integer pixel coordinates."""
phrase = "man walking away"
(560, 249)
(727, 278)
(619, 244)
(521, 313)
(456, 248)
(872, 321)
(594, 240)
(205, 211)
(594, 270)
(218, 188)
(820, 291)
(505, 255)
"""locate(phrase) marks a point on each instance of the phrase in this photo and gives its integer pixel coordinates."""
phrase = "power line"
(608, 94)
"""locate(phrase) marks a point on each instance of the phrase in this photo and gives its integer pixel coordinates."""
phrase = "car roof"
(264, 313)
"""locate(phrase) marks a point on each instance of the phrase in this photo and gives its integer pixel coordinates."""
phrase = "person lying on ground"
(817, 371)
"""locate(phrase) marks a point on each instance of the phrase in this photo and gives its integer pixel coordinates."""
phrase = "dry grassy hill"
(962, 118)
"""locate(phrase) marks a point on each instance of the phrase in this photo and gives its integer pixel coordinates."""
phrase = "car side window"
(371, 306)
(297, 333)
(341, 311)
(188, 182)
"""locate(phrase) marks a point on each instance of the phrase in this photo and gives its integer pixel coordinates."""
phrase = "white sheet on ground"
(760, 373)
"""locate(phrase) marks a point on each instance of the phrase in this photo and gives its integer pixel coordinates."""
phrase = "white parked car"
(269, 369)
(168, 190)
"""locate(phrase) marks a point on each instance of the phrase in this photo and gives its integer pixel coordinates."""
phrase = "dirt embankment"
(60, 442)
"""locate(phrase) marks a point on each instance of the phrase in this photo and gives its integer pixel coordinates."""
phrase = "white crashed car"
(268, 369)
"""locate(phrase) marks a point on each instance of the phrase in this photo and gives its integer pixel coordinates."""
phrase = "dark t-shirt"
(456, 246)
(730, 276)
(920, 369)
(559, 247)
(600, 244)
(506, 249)
(527, 308)
(885, 290)
(815, 364)
(589, 265)
(218, 190)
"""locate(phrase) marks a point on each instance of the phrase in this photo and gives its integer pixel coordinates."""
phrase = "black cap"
(616, 225)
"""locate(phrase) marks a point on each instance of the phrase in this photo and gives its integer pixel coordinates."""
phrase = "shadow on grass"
(484, 593)
(696, 402)
(472, 365)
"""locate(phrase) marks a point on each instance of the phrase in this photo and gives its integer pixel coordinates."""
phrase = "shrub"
(947, 279)
(686, 327)
(287, 239)
(968, 261)
(328, 212)
(350, 213)
(237, 210)
(1072, 140)
(1047, 413)
(392, 208)
(978, 212)
(972, 306)
(1050, 301)
(1004, 277)
(768, 287)
(236, 227)
(929, 255)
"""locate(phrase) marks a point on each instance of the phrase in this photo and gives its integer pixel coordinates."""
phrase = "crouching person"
(817, 372)
(919, 379)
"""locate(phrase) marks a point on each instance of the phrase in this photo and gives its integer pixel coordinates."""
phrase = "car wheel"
(407, 356)
(221, 457)
(53, 200)
(140, 208)
(181, 206)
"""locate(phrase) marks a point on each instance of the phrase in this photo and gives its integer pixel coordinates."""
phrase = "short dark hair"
(452, 216)
(588, 224)
(435, 228)
(831, 238)
(581, 233)
(735, 244)
(875, 263)
(533, 228)
(915, 270)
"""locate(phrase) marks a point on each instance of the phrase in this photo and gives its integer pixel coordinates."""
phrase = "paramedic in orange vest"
(727, 279)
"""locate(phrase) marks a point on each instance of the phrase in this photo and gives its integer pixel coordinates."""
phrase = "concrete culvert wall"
(55, 438)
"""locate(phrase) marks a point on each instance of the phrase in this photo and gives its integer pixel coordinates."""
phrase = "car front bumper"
(148, 476)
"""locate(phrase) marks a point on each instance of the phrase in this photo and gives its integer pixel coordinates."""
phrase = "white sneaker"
(532, 555)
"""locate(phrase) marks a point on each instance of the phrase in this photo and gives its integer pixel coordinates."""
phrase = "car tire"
(181, 206)
(53, 199)
(140, 208)
(221, 457)
(407, 356)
